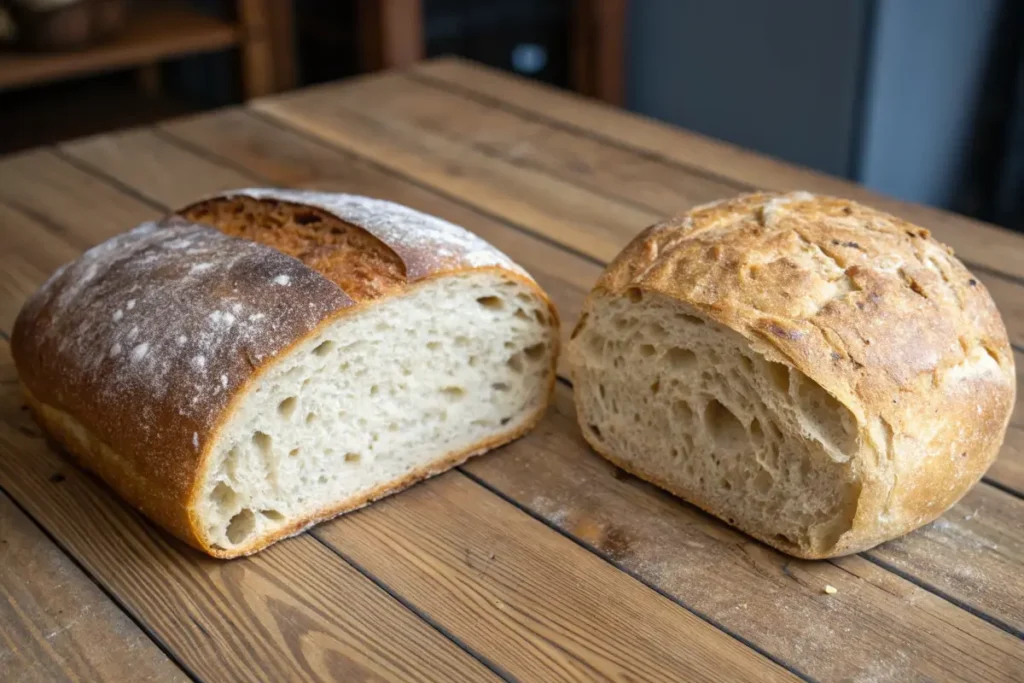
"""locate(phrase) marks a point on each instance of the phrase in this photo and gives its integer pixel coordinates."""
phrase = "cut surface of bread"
(379, 399)
(688, 404)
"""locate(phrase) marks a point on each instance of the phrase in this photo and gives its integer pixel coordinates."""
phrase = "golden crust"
(870, 307)
(135, 355)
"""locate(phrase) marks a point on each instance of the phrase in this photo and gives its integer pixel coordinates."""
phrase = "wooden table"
(536, 562)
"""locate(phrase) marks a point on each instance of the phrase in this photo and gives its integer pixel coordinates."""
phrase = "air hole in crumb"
(505, 421)
(374, 390)
(647, 350)
(756, 432)
(748, 364)
(687, 318)
(273, 515)
(634, 294)
(293, 452)
(540, 317)
(224, 496)
(600, 388)
(453, 393)
(306, 218)
(322, 479)
(535, 352)
(262, 441)
(323, 348)
(763, 482)
(595, 430)
(522, 315)
(500, 386)
(516, 363)
(241, 525)
(352, 457)
(723, 426)
(779, 375)
(286, 408)
(461, 341)
(494, 303)
(523, 297)
(680, 358)
(472, 361)
(310, 418)
(656, 387)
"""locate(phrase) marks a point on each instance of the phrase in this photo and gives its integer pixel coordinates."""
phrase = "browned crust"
(868, 306)
(152, 450)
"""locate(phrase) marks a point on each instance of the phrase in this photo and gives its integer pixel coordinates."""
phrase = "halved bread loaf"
(821, 375)
(270, 359)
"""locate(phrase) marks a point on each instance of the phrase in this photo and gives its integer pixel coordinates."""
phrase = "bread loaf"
(268, 359)
(820, 375)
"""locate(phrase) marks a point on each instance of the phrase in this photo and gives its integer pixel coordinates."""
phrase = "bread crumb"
(831, 590)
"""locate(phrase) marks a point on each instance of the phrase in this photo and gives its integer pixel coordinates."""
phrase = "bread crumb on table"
(831, 590)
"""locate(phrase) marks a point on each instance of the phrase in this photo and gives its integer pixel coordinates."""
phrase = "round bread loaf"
(819, 374)
(270, 358)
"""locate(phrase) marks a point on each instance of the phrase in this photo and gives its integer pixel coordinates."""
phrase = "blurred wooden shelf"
(153, 34)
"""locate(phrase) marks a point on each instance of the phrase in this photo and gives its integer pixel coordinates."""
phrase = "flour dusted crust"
(134, 354)
(870, 307)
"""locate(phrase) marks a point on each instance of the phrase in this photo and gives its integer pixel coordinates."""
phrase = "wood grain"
(57, 624)
(69, 201)
(974, 240)
(285, 158)
(293, 611)
(505, 583)
(574, 216)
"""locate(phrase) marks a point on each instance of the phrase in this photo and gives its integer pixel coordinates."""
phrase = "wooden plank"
(972, 553)
(30, 254)
(974, 240)
(150, 36)
(156, 167)
(511, 645)
(575, 216)
(53, 192)
(58, 625)
(293, 611)
(498, 580)
(558, 474)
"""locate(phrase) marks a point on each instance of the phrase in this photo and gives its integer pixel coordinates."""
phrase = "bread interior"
(687, 404)
(382, 397)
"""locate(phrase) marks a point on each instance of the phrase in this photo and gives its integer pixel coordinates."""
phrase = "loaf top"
(869, 306)
(148, 338)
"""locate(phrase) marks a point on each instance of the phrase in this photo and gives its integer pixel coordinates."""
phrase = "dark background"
(920, 99)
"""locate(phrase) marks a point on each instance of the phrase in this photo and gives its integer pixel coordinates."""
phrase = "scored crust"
(136, 354)
(868, 306)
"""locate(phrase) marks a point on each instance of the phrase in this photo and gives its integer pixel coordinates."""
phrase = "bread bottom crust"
(90, 454)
